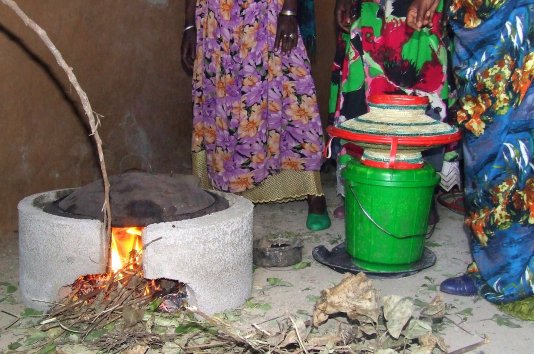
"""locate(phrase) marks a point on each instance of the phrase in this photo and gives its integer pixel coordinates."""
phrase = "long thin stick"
(471, 347)
(223, 327)
(93, 122)
(301, 343)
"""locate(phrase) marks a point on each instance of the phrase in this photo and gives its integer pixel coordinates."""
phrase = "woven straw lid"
(395, 131)
(396, 115)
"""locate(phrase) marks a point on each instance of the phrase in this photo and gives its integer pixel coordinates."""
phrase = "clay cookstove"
(198, 238)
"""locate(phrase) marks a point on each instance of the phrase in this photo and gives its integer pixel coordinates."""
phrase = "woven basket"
(397, 117)
(400, 119)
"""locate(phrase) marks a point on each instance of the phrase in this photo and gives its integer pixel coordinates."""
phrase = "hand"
(420, 13)
(188, 49)
(286, 33)
(342, 13)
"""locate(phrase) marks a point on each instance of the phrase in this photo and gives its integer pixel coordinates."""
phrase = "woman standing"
(256, 126)
(494, 65)
(379, 54)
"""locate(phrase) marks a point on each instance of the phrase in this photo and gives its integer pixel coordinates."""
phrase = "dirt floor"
(279, 291)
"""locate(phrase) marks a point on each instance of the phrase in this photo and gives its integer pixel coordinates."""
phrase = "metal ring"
(292, 35)
(285, 35)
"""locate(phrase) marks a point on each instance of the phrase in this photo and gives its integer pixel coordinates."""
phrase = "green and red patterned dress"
(382, 55)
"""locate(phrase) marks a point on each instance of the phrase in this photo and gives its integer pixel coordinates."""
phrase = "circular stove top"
(140, 199)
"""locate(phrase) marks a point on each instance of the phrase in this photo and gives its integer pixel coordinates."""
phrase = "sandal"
(318, 222)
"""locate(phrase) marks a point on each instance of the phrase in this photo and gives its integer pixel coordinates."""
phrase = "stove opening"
(126, 247)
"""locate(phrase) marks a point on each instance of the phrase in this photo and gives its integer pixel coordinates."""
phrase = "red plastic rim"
(398, 100)
(395, 165)
(401, 140)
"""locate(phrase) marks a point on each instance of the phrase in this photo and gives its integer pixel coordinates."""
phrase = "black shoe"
(463, 285)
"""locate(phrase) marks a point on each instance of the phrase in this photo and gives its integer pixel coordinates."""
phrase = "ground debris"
(388, 328)
(73, 349)
(435, 310)
(372, 325)
(354, 296)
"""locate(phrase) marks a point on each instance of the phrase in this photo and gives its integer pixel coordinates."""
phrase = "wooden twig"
(301, 344)
(93, 122)
(223, 327)
(270, 319)
(151, 242)
(116, 343)
(457, 325)
(471, 347)
(17, 318)
(205, 346)
(9, 313)
(47, 302)
(48, 341)
(261, 330)
(99, 301)
(67, 328)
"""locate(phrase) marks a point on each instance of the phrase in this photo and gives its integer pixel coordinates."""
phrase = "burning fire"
(125, 276)
(124, 240)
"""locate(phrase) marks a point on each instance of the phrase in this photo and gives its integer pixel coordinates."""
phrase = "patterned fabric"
(494, 64)
(383, 55)
(285, 186)
(254, 110)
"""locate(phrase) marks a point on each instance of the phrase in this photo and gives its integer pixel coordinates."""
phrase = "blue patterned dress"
(494, 65)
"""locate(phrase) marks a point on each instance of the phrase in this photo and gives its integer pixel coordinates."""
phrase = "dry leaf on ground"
(354, 296)
(435, 309)
(397, 312)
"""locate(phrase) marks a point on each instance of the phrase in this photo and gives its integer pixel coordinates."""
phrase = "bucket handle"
(327, 151)
(426, 235)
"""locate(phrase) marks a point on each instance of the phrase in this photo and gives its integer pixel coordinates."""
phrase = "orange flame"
(151, 287)
(124, 240)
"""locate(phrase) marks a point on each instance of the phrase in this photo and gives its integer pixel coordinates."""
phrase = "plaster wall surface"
(126, 56)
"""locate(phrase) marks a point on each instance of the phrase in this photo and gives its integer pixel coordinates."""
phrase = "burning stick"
(97, 300)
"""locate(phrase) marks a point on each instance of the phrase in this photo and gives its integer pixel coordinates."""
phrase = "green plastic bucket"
(386, 215)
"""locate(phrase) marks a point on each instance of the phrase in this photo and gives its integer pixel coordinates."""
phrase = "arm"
(287, 27)
(189, 37)
(420, 13)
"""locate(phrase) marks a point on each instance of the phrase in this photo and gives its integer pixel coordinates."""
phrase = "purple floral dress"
(254, 110)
